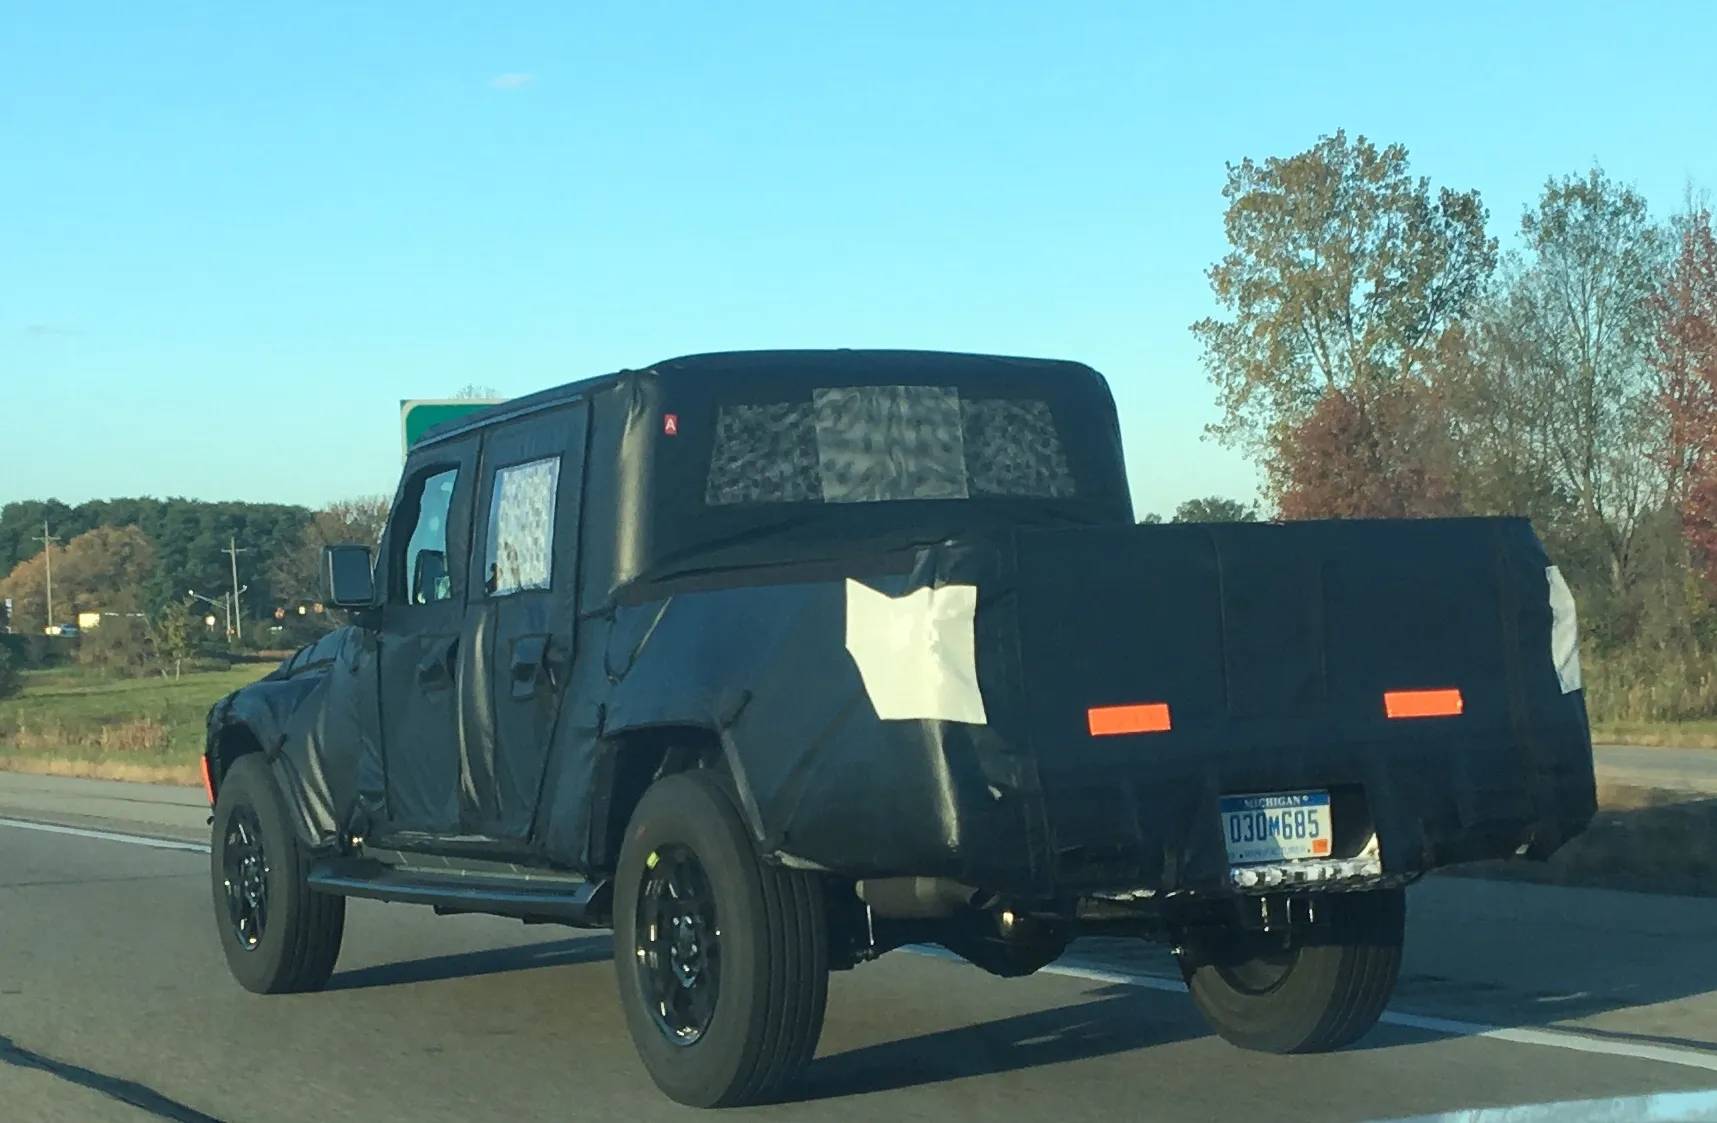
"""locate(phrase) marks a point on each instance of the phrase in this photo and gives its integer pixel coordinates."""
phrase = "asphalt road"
(113, 994)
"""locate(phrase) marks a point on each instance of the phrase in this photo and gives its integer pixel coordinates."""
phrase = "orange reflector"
(208, 782)
(1422, 703)
(1107, 721)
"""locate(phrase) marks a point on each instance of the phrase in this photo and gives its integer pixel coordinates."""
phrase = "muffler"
(915, 898)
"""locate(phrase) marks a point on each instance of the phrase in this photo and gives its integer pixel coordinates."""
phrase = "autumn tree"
(101, 570)
(1343, 276)
(1685, 359)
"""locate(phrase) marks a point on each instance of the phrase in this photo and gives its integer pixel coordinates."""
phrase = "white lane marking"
(110, 836)
(1550, 1039)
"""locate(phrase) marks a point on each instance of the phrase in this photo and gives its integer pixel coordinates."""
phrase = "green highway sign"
(420, 414)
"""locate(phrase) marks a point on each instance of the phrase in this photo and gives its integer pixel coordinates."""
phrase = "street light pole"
(226, 605)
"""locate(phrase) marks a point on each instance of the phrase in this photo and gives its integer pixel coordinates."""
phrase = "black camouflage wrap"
(712, 604)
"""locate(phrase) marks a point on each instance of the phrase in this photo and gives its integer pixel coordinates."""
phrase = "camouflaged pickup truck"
(774, 662)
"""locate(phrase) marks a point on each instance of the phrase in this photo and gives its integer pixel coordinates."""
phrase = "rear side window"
(520, 551)
(869, 444)
(426, 572)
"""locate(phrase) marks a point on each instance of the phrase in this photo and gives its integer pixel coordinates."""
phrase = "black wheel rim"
(1265, 966)
(245, 872)
(678, 940)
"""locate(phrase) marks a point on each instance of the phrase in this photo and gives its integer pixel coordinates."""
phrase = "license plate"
(1281, 826)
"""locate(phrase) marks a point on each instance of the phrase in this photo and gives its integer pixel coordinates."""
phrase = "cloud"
(511, 81)
(42, 331)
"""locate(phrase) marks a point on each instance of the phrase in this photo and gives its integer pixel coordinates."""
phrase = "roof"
(718, 364)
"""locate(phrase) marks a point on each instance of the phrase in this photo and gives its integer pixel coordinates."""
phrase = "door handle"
(436, 670)
(531, 660)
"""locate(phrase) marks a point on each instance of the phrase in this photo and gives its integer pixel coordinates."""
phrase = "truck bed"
(1405, 669)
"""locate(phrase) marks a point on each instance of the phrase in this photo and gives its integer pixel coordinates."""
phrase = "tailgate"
(1403, 667)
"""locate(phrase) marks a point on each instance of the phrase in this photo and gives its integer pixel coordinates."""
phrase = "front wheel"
(279, 935)
(1308, 990)
(722, 960)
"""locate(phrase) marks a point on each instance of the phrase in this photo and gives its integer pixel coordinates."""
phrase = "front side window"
(870, 444)
(426, 574)
(520, 552)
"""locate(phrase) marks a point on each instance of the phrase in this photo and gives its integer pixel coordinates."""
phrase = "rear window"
(873, 444)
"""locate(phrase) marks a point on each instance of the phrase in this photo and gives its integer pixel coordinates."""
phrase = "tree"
(472, 390)
(170, 634)
(1214, 509)
(189, 536)
(101, 570)
(294, 573)
(11, 669)
(120, 646)
(1342, 277)
(1489, 387)
(1585, 308)
(1390, 459)
(1685, 359)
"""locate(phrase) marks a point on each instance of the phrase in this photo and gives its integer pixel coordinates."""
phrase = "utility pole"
(47, 540)
(232, 551)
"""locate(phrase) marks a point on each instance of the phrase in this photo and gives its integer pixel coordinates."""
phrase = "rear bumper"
(1398, 809)
(1139, 825)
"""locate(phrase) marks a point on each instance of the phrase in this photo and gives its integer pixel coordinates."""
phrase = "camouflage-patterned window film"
(521, 528)
(1013, 448)
(864, 444)
(764, 454)
(879, 443)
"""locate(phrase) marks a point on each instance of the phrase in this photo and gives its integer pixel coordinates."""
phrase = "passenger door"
(423, 567)
(523, 615)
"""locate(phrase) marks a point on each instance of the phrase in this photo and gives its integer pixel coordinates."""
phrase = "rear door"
(522, 618)
(423, 568)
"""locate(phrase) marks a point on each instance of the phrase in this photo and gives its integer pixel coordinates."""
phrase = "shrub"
(11, 668)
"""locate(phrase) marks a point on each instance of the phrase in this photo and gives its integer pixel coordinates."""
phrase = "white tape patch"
(917, 654)
(1564, 632)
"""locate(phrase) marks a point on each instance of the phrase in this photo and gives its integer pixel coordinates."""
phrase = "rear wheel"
(722, 960)
(1307, 990)
(279, 935)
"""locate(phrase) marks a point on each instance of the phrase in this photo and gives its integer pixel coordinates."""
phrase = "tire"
(1310, 997)
(292, 945)
(748, 1039)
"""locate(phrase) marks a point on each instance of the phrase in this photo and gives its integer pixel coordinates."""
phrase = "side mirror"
(348, 576)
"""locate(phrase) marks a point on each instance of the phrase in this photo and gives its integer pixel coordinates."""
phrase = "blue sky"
(233, 237)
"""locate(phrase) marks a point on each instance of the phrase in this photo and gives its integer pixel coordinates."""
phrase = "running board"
(536, 895)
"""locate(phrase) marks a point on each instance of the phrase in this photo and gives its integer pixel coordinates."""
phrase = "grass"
(69, 722)
(1657, 734)
(1650, 686)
